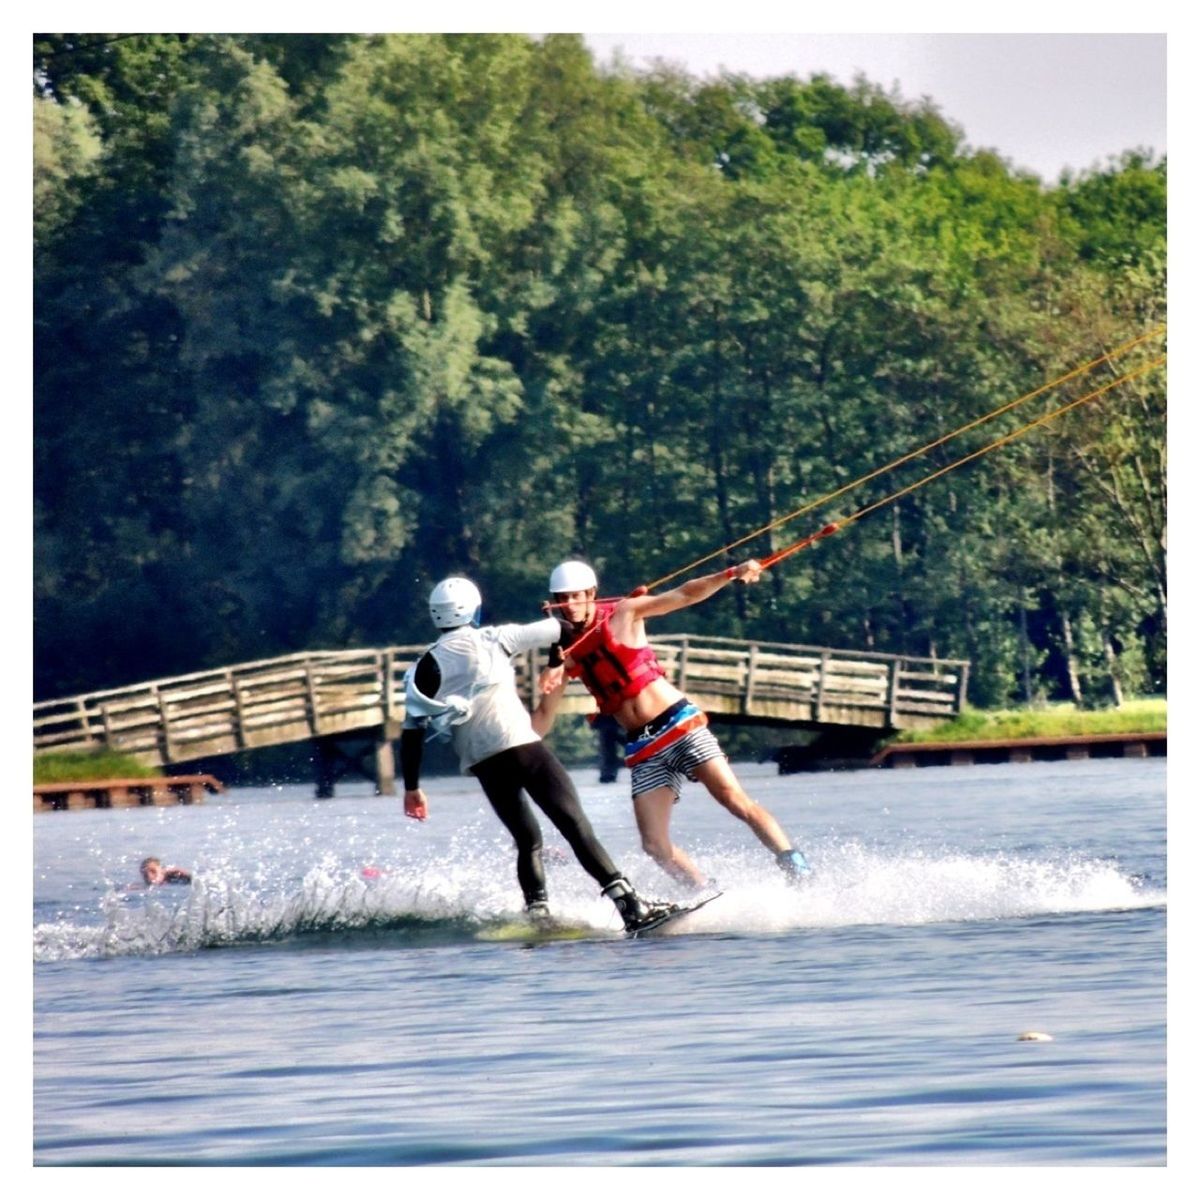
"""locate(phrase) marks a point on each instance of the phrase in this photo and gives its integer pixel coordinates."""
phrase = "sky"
(1043, 101)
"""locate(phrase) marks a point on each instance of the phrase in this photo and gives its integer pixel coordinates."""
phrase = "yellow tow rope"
(833, 527)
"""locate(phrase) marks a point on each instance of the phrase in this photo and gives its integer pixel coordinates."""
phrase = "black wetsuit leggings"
(534, 769)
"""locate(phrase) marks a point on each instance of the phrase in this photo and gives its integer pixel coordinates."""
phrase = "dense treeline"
(320, 319)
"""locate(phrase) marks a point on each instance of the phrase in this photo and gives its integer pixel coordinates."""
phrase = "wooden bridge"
(329, 696)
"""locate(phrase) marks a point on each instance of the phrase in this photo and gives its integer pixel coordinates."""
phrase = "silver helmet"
(454, 602)
(572, 576)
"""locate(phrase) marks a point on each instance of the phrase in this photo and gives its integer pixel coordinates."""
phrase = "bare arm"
(692, 592)
(544, 715)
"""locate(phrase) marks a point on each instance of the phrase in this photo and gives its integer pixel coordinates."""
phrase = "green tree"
(321, 318)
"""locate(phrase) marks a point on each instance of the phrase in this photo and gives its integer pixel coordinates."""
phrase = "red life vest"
(611, 671)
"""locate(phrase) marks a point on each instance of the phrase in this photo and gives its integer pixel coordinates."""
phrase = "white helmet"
(572, 576)
(454, 602)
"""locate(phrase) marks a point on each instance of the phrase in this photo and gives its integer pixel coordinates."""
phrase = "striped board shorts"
(669, 749)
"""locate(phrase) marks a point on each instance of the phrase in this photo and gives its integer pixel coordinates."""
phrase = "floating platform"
(124, 793)
(1022, 750)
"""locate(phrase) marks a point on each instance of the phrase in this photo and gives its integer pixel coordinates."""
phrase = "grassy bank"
(80, 765)
(1057, 720)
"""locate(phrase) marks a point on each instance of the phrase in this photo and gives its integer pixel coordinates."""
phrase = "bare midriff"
(657, 696)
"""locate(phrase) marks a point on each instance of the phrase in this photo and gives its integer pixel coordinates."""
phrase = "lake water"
(321, 995)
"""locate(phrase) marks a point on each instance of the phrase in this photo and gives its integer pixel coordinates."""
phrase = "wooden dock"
(1022, 750)
(124, 793)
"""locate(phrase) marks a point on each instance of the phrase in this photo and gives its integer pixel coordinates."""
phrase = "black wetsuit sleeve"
(412, 750)
(428, 678)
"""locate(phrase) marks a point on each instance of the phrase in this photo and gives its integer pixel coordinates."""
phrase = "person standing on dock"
(464, 687)
(604, 643)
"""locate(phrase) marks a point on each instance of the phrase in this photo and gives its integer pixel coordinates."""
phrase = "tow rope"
(833, 527)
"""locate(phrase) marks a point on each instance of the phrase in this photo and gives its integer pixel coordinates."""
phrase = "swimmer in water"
(154, 873)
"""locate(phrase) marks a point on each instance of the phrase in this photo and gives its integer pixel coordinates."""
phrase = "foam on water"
(855, 886)
(452, 898)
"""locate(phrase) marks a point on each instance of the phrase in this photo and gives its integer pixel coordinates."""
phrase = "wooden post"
(385, 766)
(962, 686)
(683, 657)
(165, 717)
(749, 697)
(893, 688)
(239, 726)
(386, 672)
(85, 724)
(311, 687)
(820, 699)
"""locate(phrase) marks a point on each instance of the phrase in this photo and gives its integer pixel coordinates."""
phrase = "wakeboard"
(674, 915)
(524, 930)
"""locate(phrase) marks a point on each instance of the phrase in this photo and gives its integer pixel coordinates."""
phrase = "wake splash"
(856, 886)
(453, 902)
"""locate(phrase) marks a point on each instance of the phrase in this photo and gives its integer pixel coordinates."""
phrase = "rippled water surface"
(326, 993)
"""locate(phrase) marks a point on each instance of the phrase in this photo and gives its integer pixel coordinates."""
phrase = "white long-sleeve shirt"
(477, 704)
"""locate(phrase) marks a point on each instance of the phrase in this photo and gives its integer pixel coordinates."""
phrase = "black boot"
(635, 912)
(538, 912)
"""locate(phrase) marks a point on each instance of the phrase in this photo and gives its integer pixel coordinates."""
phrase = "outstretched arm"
(515, 638)
(692, 592)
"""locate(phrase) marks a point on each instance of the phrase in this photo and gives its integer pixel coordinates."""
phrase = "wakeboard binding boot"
(636, 913)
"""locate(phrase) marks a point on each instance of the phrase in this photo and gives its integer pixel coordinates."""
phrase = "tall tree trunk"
(1026, 670)
(1114, 674)
(1068, 637)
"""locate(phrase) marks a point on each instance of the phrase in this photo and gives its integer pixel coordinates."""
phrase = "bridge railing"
(803, 684)
(902, 686)
(320, 693)
(255, 704)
